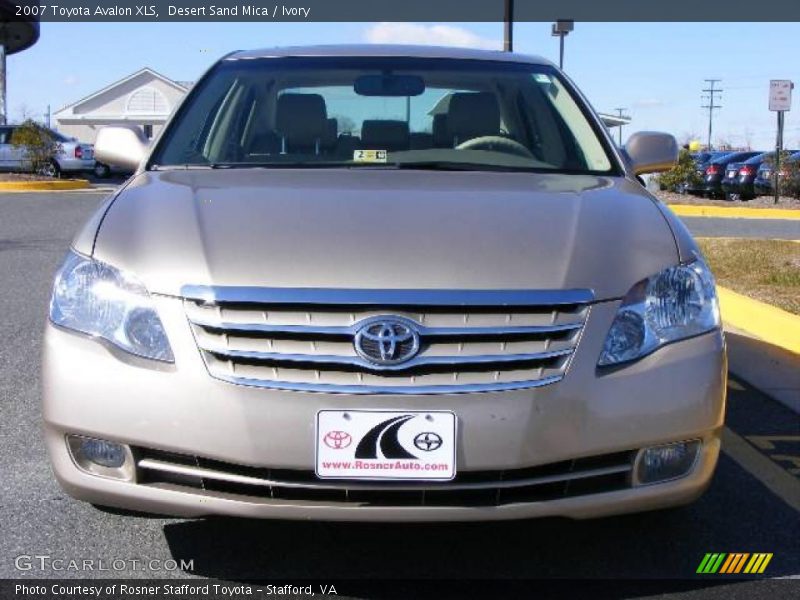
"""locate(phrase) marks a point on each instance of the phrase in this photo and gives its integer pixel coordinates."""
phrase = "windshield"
(390, 112)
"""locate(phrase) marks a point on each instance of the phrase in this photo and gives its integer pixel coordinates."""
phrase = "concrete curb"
(763, 346)
(44, 186)
(734, 212)
(764, 321)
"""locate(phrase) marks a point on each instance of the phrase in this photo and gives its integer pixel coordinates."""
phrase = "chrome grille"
(565, 479)
(303, 339)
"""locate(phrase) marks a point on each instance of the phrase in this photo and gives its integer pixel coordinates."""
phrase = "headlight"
(99, 300)
(677, 303)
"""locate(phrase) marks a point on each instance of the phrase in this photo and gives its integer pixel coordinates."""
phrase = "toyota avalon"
(384, 283)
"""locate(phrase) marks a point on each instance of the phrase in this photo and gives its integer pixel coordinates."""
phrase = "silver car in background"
(389, 284)
(74, 157)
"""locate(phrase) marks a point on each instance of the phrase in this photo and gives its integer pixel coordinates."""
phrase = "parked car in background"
(762, 184)
(711, 184)
(738, 181)
(74, 156)
(701, 160)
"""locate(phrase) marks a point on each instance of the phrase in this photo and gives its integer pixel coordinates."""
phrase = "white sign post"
(780, 100)
(780, 95)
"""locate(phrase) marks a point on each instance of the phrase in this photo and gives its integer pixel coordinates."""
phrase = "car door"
(13, 157)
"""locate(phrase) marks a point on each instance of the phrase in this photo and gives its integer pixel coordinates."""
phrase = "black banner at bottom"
(202, 589)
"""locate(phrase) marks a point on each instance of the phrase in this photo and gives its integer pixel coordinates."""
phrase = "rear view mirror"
(121, 146)
(389, 85)
(651, 152)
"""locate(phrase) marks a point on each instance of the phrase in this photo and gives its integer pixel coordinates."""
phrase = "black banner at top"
(399, 10)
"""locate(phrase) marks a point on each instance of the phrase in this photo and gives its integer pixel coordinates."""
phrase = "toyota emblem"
(386, 341)
(337, 440)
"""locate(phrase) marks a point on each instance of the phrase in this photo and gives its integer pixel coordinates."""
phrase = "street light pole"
(561, 29)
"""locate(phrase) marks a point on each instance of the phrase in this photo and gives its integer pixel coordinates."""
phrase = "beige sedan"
(388, 284)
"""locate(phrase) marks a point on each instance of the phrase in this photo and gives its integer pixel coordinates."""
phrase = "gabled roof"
(182, 85)
(613, 120)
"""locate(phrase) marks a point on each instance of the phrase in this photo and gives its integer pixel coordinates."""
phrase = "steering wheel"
(492, 142)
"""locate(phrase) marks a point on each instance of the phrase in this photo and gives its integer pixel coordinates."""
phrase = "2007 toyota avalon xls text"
(384, 283)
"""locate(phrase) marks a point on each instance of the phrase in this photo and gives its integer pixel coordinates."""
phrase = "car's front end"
(428, 340)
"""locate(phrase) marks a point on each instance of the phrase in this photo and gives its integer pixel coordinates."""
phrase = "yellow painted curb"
(43, 186)
(734, 212)
(764, 321)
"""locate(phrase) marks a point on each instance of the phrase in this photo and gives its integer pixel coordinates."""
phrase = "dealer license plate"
(390, 445)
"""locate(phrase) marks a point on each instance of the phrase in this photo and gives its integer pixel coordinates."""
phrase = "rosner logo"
(337, 440)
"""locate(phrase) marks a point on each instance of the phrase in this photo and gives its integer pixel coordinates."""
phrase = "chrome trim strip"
(352, 329)
(396, 390)
(417, 361)
(386, 297)
(177, 469)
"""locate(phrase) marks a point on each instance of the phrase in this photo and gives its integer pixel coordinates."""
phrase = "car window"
(356, 112)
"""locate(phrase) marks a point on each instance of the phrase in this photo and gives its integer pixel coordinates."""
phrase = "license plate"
(731, 174)
(389, 445)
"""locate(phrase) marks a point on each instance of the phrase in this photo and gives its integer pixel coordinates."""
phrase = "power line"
(711, 98)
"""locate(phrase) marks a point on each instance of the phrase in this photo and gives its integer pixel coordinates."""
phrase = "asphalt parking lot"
(752, 506)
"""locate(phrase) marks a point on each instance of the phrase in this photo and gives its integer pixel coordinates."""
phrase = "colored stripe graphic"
(724, 563)
(711, 562)
(758, 563)
(735, 562)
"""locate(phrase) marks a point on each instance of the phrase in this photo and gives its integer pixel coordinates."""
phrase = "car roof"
(387, 50)
(736, 155)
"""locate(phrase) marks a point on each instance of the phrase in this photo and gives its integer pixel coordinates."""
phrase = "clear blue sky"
(655, 70)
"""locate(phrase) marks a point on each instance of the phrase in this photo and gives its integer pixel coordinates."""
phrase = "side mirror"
(651, 152)
(121, 146)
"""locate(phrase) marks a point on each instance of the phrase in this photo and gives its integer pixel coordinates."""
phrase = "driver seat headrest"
(471, 115)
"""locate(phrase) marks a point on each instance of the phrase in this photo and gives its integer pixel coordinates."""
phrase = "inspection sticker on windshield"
(372, 156)
(377, 444)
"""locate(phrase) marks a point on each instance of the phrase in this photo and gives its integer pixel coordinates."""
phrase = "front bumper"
(677, 393)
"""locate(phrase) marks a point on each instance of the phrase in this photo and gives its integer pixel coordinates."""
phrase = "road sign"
(780, 95)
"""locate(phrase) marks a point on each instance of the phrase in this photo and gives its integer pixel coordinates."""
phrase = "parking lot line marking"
(776, 479)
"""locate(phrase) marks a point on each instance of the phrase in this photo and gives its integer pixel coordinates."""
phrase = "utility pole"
(620, 112)
(508, 26)
(712, 105)
(48, 116)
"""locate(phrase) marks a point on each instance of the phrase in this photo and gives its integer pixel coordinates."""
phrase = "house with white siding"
(145, 98)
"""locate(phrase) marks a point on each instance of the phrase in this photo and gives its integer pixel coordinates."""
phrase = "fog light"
(103, 453)
(669, 461)
(101, 457)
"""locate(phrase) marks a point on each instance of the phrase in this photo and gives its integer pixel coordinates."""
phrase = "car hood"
(385, 229)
